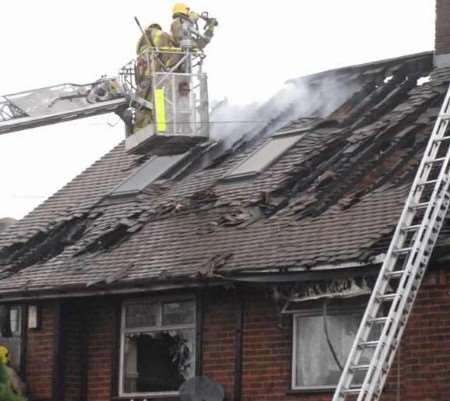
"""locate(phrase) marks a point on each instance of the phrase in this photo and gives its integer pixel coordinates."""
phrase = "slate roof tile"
(333, 197)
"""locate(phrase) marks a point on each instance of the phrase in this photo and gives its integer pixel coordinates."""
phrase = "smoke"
(299, 98)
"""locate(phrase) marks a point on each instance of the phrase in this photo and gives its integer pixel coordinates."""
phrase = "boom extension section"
(162, 96)
(59, 103)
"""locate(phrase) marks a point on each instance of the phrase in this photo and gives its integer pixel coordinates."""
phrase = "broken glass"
(158, 361)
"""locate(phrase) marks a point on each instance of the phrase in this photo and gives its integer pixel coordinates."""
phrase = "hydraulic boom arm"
(59, 103)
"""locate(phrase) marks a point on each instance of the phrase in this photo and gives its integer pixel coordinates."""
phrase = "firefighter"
(11, 386)
(154, 52)
(185, 20)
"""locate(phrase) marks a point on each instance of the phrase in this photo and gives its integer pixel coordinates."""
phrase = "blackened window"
(158, 346)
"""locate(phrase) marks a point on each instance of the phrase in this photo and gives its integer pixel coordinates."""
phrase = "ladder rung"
(444, 138)
(437, 160)
(402, 251)
(368, 344)
(444, 116)
(359, 367)
(386, 297)
(377, 320)
(429, 182)
(394, 274)
(411, 228)
(351, 391)
(420, 205)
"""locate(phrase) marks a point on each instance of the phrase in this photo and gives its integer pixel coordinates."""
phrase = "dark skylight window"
(264, 156)
(152, 170)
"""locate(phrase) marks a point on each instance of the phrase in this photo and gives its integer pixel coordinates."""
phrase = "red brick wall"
(424, 358)
(101, 350)
(425, 349)
(72, 334)
(39, 356)
(219, 338)
(442, 26)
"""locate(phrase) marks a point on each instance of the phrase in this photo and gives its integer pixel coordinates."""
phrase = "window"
(264, 156)
(11, 333)
(319, 332)
(157, 346)
(152, 170)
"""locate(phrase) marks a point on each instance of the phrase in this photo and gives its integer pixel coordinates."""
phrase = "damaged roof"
(313, 187)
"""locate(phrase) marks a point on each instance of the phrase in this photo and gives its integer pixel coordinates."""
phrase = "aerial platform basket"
(173, 99)
(180, 118)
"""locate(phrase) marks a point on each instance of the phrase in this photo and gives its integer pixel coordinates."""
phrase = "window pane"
(315, 365)
(141, 315)
(175, 313)
(14, 315)
(11, 334)
(149, 172)
(159, 361)
(265, 155)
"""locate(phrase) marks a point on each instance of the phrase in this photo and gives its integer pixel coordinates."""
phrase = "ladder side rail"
(391, 352)
(380, 286)
(432, 211)
(420, 257)
(401, 329)
(399, 237)
(438, 205)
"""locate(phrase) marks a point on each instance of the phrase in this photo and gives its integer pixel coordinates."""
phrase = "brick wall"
(39, 356)
(424, 360)
(219, 338)
(73, 352)
(101, 325)
(442, 27)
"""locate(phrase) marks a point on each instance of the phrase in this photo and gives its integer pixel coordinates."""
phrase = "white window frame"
(123, 331)
(232, 175)
(315, 311)
(14, 343)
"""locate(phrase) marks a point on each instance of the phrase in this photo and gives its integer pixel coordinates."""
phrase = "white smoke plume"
(300, 98)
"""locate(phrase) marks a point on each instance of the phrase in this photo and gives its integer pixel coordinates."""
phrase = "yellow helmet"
(180, 8)
(4, 354)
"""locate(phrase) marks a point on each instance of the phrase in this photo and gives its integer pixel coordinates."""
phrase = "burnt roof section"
(332, 198)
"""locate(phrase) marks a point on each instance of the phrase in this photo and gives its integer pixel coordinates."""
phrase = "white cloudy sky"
(258, 46)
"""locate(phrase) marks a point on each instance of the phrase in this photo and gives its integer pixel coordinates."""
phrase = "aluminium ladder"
(401, 274)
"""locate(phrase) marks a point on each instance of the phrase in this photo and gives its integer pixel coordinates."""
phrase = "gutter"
(283, 274)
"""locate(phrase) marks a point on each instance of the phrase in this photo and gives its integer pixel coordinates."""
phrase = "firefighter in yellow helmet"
(184, 19)
(13, 382)
(154, 55)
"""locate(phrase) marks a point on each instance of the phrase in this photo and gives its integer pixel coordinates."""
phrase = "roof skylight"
(152, 170)
(264, 156)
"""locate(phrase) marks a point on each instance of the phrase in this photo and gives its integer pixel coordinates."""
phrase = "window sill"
(324, 390)
(147, 398)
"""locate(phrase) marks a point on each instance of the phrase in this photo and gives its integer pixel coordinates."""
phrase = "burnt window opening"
(323, 333)
(158, 346)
